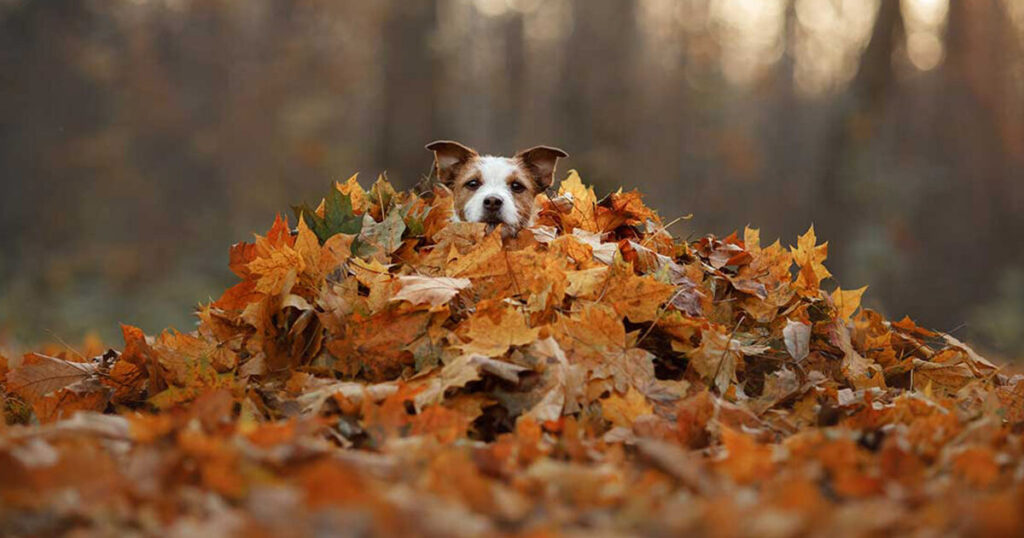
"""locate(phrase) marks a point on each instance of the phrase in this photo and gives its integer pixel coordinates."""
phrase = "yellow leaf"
(810, 258)
(586, 282)
(274, 271)
(633, 296)
(752, 239)
(581, 215)
(336, 251)
(622, 411)
(494, 328)
(861, 372)
(355, 192)
(307, 245)
(716, 358)
(847, 301)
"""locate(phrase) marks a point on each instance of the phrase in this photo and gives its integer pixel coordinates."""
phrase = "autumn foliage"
(379, 369)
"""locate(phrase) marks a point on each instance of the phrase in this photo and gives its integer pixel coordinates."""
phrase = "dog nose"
(492, 203)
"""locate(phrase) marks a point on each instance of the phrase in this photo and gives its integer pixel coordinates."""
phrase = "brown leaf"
(40, 375)
(379, 345)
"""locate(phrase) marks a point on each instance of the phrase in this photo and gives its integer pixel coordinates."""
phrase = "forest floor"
(381, 370)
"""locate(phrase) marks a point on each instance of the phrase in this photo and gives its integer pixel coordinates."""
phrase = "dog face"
(495, 190)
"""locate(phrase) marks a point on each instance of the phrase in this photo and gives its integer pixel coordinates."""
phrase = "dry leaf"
(434, 291)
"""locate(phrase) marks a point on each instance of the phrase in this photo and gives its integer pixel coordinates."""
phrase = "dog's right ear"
(449, 157)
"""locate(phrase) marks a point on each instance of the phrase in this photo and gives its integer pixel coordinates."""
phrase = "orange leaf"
(622, 411)
(494, 328)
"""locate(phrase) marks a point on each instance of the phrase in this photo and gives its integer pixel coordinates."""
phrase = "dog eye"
(518, 187)
(473, 184)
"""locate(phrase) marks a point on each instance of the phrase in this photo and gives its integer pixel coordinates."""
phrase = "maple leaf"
(377, 278)
(138, 353)
(274, 272)
(719, 356)
(586, 282)
(636, 297)
(531, 274)
(618, 209)
(602, 252)
(861, 372)
(379, 345)
(847, 301)
(434, 291)
(596, 338)
(66, 402)
(439, 215)
(563, 386)
(947, 377)
(907, 325)
(494, 328)
(582, 212)
(809, 258)
(777, 387)
(338, 216)
(622, 411)
(381, 197)
(356, 195)
(313, 392)
(307, 246)
(573, 247)
(386, 236)
(199, 377)
(770, 265)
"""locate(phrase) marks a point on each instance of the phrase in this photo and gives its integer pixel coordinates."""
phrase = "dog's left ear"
(540, 162)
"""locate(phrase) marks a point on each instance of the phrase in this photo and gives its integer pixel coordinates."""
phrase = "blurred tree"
(597, 98)
(138, 138)
(410, 119)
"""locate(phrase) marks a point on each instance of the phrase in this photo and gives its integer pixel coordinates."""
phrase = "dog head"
(495, 190)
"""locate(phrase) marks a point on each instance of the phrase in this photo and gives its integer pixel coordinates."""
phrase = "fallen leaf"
(494, 328)
(434, 291)
(623, 411)
(797, 336)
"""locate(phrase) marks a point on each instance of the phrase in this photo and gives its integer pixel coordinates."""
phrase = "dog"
(495, 190)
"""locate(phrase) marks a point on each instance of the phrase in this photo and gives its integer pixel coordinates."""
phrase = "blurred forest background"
(138, 139)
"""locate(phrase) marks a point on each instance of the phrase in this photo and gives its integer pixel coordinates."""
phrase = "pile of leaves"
(382, 370)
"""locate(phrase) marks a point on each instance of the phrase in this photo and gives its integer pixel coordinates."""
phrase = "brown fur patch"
(525, 199)
(460, 192)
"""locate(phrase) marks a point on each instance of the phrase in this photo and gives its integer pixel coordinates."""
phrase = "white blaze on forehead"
(494, 173)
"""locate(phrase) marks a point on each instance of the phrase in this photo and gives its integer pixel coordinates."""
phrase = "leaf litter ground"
(381, 370)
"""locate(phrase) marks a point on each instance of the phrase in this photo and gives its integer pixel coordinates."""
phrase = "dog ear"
(540, 162)
(449, 157)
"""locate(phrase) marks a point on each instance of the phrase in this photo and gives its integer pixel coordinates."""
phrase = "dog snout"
(492, 203)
